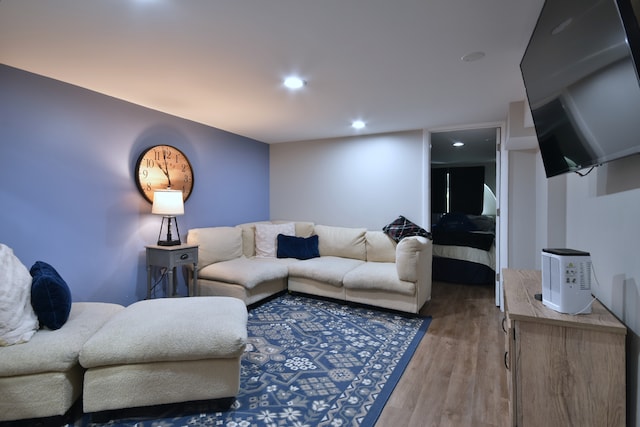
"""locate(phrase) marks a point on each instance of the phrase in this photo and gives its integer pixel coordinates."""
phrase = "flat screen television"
(580, 71)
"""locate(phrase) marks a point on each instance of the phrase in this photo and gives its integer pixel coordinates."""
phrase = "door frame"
(501, 194)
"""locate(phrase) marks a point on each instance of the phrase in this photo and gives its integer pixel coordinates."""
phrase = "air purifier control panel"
(578, 274)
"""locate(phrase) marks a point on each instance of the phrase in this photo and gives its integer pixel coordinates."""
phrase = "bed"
(464, 249)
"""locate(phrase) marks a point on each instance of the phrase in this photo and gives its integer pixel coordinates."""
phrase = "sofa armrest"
(408, 257)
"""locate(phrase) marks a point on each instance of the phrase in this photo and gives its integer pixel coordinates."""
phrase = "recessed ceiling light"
(358, 124)
(473, 56)
(294, 82)
(458, 144)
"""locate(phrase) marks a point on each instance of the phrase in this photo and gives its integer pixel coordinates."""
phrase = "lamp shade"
(167, 202)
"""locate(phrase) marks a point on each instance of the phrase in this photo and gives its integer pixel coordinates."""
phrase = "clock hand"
(165, 170)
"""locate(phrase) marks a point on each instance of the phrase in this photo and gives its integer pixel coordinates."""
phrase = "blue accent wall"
(67, 185)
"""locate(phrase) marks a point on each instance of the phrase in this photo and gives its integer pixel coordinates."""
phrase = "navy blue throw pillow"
(298, 247)
(50, 296)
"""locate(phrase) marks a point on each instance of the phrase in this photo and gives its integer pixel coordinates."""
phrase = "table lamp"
(168, 203)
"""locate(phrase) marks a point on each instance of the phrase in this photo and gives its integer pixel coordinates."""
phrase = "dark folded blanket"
(472, 239)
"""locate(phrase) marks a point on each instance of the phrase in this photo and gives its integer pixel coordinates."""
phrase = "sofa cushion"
(266, 237)
(18, 320)
(341, 242)
(380, 247)
(249, 238)
(303, 228)
(328, 269)
(216, 244)
(187, 329)
(381, 276)
(298, 247)
(57, 350)
(244, 271)
(50, 295)
(402, 227)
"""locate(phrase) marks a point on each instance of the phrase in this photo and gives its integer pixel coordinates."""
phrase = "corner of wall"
(521, 134)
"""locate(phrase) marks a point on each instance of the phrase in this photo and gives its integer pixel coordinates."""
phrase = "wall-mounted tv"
(580, 70)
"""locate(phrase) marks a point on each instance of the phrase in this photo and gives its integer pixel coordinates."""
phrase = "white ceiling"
(479, 146)
(393, 63)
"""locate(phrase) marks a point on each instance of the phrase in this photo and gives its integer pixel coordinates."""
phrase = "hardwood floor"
(456, 377)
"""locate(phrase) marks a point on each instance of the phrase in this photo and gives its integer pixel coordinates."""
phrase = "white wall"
(598, 213)
(603, 218)
(522, 209)
(607, 224)
(363, 181)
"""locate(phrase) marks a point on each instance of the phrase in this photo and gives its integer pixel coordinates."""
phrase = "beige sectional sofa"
(354, 264)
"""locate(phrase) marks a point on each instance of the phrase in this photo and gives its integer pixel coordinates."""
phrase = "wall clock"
(161, 167)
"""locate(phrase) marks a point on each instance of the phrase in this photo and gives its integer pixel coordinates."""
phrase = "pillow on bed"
(456, 221)
(483, 222)
(402, 227)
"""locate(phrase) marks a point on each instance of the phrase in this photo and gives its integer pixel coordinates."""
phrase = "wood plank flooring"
(456, 377)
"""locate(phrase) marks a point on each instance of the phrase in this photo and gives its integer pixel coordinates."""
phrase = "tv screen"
(580, 70)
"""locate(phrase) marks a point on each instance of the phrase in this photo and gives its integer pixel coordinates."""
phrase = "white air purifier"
(566, 280)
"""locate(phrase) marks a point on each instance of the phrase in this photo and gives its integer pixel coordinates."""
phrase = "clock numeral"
(186, 179)
(145, 173)
(178, 158)
(148, 186)
(150, 163)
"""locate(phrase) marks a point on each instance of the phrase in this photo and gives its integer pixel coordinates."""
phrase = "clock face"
(161, 167)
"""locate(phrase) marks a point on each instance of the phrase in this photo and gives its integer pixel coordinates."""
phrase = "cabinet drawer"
(186, 256)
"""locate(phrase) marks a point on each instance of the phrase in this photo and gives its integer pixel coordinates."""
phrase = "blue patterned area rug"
(309, 362)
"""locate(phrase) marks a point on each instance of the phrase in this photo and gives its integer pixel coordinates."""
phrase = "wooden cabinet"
(562, 370)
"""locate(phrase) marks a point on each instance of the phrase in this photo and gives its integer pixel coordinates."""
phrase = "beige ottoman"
(164, 351)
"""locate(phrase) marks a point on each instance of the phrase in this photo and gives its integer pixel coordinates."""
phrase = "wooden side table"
(171, 257)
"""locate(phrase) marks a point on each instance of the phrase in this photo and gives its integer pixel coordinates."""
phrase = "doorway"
(465, 192)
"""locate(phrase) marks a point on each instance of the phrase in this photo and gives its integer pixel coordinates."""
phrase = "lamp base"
(169, 242)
